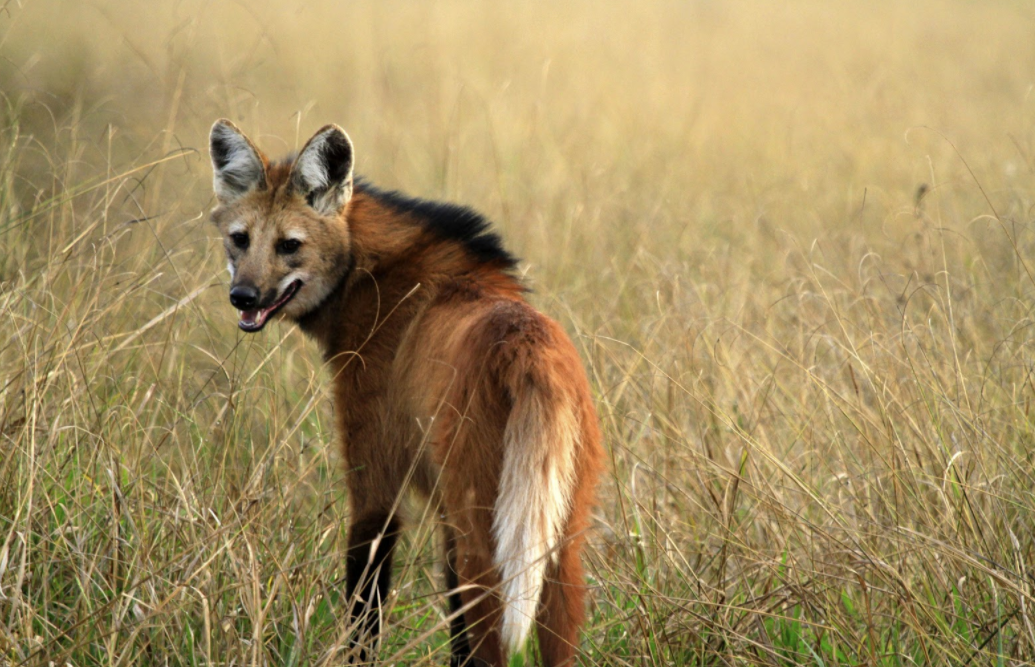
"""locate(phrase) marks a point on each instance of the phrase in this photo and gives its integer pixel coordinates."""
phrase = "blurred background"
(792, 241)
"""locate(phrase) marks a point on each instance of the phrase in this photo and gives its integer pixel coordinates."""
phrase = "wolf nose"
(244, 297)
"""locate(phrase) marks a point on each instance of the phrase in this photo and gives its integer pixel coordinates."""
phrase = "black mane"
(451, 222)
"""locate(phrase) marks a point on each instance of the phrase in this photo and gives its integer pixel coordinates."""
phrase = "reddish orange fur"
(429, 349)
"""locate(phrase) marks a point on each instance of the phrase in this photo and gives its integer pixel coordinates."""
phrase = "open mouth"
(254, 320)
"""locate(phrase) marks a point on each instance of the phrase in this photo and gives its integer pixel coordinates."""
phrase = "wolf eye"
(289, 246)
(239, 239)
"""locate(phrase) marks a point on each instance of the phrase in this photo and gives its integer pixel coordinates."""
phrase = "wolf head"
(283, 225)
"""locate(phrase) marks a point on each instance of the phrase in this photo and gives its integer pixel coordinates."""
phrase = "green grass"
(793, 243)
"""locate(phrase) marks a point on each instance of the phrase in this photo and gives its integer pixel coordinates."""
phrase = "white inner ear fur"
(329, 182)
(311, 166)
(242, 168)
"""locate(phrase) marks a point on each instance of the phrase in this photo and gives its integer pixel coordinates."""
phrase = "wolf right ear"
(322, 173)
(237, 166)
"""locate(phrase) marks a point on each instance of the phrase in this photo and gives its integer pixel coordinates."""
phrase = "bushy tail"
(536, 481)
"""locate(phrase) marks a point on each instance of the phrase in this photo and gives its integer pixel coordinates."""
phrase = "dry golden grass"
(794, 242)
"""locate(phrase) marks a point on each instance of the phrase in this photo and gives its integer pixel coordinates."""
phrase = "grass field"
(794, 242)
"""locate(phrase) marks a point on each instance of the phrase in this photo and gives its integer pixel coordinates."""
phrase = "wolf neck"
(405, 253)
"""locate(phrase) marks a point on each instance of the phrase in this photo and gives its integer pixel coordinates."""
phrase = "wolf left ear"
(323, 171)
(237, 166)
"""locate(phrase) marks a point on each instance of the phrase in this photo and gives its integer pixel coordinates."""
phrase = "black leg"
(457, 628)
(368, 577)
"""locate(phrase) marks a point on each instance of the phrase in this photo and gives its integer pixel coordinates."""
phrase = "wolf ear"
(237, 166)
(323, 171)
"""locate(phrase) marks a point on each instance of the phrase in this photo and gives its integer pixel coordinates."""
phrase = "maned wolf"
(444, 379)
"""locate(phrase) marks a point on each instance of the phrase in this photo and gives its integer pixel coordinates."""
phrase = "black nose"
(244, 297)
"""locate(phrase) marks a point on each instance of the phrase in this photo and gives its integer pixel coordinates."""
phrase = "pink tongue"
(252, 316)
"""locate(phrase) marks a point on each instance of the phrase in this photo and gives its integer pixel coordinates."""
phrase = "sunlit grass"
(794, 244)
